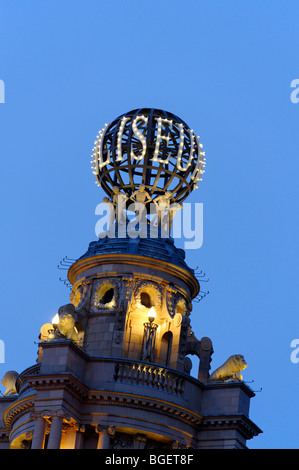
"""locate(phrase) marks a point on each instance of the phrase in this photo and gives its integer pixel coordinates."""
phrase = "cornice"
(230, 384)
(91, 401)
(57, 382)
(134, 260)
(64, 343)
(238, 421)
(162, 407)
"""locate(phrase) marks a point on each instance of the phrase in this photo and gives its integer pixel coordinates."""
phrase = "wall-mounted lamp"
(149, 337)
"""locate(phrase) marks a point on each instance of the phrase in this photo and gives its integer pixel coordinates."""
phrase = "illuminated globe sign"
(149, 147)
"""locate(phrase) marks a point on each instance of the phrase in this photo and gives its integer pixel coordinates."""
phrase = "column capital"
(45, 414)
(50, 414)
(109, 429)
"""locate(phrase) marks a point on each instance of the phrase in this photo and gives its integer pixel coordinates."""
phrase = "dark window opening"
(165, 352)
(145, 300)
(107, 297)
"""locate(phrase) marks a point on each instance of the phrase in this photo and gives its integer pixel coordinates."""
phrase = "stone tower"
(114, 371)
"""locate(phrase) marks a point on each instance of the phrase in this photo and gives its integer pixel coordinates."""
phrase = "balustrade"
(149, 375)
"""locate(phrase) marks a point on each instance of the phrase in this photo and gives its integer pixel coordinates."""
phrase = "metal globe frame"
(159, 173)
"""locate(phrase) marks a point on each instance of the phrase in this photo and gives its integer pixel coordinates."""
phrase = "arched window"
(145, 300)
(165, 349)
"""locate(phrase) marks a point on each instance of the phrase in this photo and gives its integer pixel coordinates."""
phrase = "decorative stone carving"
(124, 298)
(141, 196)
(231, 369)
(206, 343)
(162, 206)
(66, 327)
(171, 299)
(9, 382)
(152, 289)
(25, 444)
(109, 429)
(36, 414)
(119, 205)
(71, 425)
(119, 328)
(48, 415)
(29, 435)
(44, 331)
(173, 209)
(67, 309)
(177, 320)
(175, 302)
(122, 441)
(181, 306)
(152, 444)
(183, 337)
(111, 209)
(81, 294)
(203, 349)
(75, 297)
(128, 282)
(106, 294)
(178, 445)
(187, 364)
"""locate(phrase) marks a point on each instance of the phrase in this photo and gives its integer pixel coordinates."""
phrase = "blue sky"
(223, 67)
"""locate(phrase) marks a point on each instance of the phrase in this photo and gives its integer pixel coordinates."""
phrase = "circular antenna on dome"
(148, 148)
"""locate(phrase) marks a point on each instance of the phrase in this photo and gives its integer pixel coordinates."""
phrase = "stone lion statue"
(9, 382)
(231, 369)
(66, 327)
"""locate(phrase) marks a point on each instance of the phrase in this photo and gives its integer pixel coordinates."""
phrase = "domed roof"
(157, 248)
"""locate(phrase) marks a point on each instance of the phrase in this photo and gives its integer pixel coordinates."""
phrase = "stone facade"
(100, 391)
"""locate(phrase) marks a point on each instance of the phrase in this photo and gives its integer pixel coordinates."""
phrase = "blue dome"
(157, 248)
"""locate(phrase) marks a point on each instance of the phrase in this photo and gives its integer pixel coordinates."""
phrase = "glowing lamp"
(151, 314)
(55, 320)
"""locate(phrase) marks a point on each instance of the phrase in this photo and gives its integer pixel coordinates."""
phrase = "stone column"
(104, 436)
(38, 440)
(139, 441)
(55, 432)
(79, 436)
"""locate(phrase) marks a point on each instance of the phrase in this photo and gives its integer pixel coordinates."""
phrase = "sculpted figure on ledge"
(230, 370)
